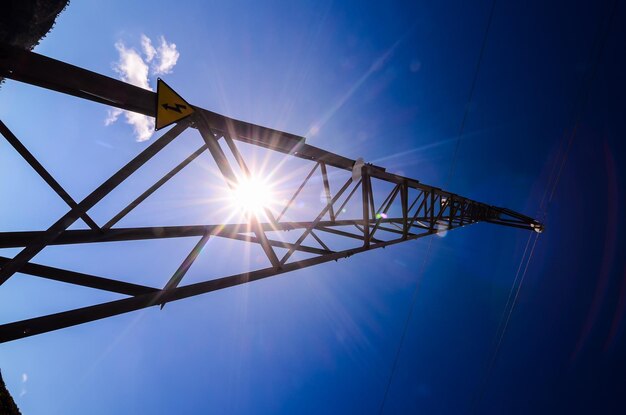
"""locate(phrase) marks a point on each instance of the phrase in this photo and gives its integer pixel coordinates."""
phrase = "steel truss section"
(410, 210)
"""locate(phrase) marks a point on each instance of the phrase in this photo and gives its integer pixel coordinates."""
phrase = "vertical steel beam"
(365, 192)
(462, 212)
(442, 209)
(404, 200)
(331, 212)
(371, 196)
(432, 211)
(452, 211)
(231, 180)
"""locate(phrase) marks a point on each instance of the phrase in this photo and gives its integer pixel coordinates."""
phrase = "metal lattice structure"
(409, 211)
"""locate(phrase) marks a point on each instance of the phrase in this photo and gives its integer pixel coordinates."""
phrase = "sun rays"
(252, 195)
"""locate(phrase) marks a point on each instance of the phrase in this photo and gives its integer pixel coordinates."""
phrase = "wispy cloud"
(24, 380)
(167, 56)
(131, 67)
(136, 68)
(112, 116)
(148, 49)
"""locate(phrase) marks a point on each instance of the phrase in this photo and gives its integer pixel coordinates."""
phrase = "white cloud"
(143, 126)
(148, 49)
(112, 116)
(131, 67)
(135, 69)
(24, 380)
(167, 56)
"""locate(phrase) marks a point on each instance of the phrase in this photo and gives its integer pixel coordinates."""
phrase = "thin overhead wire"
(584, 95)
(449, 178)
(405, 327)
(471, 95)
(551, 186)
(512, 290)
(582, 98)
(505, 318)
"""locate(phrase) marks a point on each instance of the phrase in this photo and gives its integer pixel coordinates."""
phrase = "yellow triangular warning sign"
(171, 107)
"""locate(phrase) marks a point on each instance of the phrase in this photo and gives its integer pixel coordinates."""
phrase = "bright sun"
(252, 195)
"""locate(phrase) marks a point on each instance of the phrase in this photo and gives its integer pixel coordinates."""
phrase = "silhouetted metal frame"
(436, 210)
(43, 173)
(33, 248)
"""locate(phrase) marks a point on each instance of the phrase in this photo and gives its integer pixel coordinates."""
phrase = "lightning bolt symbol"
(177, 108)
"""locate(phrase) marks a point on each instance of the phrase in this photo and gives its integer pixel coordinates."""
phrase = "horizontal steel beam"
(85, 280)
(81, 236)
(38, 325)
(45, 72)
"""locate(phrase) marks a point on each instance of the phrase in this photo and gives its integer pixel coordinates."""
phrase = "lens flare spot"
(252, 195)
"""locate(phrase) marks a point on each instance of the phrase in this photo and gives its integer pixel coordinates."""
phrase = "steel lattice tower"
(409, 211)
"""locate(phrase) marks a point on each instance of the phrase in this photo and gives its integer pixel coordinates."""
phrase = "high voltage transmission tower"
(409, 210)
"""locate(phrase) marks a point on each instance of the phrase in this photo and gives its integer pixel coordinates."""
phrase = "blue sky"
(386, 82)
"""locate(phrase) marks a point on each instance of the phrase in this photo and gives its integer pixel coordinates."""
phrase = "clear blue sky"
(386, 81)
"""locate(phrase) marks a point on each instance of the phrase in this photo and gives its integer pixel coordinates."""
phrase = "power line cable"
(471, 95)
(504, 320)
(583, 97)
(404, 329)
(450, 175)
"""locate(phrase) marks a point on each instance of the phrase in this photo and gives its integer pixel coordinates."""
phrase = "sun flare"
(252, 196)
